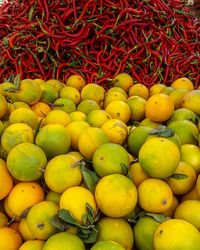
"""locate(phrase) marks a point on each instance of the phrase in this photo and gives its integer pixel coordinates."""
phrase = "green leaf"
(158, 217)
(178, 176)
(59, 223)
(66, 216)
(17, 81)
(124, 169)
(90, 178)
(162, 131)
(91, 237)
(167, 133)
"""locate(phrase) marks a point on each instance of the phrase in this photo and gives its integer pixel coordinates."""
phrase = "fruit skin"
(191, 100)
(110, 158)
(32, 245)
(6, 183)
(144, 230)
(198, 184)
(10, 239)
(26, 161)
(182, 82)
(189, 211)
(3, 106)
(116, 195)
(123, 80)
(183, 114)
(154, 195)
(107, 245)
(176, 234)
(159, 157)
(116, 229)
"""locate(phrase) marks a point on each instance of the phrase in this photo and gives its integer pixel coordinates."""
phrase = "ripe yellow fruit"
(159, 107)
(57, 117)
(93, 92)
(137, 174)
(71, 93)
(6, 183)
(32, 245)
(156, 88)
(76, 81)
(3, 220)
(191, 100)
(116, 195)
(10, 239)
(96, 118)
(24, 230)
(137, 105)
(182, 83)
(154, 195)
(123, 80)
(139, 89)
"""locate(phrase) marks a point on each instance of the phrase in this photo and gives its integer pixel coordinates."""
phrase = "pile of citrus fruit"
(82, 167)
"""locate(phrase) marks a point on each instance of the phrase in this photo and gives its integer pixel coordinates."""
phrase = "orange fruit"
(23, 196)
(56, 84)
(96, 118)
(6, 183)
(90, 139)
(177, 96)
(119, 110)
(137, 174)
(64, 241)
(24, 230)
(39, 81)
(198, 184)
(3, 106)
(191, 100)
(49, 93)
(53, 196)
(184, 185)
(139, 89)
(10, 239)
(57, 117)
(154, 195)
(114, 96)
(16, 105)
(191, 195)
(159, 108)
(183, 83)
(70, 93)
(53, 139)
(64, 104)
(61, 173)
(110, 158)
(74, 199)
(156, 88)
(26, 162)
(167, 90)
(93, 92)
(170, 211)
(116, 195)
(123, 80)
(76, 81)
(32, 245)
(116, 89)
(137, 105)
(38, 219)
(77, 116)
(15, 134)
(3, 220)
(116, 130)
(87, 106)
(159, 157)
(41, 109)
(183, 114)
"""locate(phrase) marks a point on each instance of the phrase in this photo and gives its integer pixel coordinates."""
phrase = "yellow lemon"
(76, 81)
(93, 92)
(57, 117)
(123, 80)
(183, 83)
(70, 93)
(139, 89)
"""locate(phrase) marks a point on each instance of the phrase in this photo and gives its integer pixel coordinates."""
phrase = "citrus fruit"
(70, 93)
(26, 162)
(170, 211)
(62, 173)
(23, 196)
(76, 81)
(6, 182)
(118, 89)
(119, 110)
(167, 90)
(191, 100)
(176, 234)
(107, 245)
(24, 115)
(53, 139)
(77, 116)
(198, 184)
(123, 80)
(32, 245)
(53, 196)
(139, 89)
(156, 88)
(115, 229)
(191, 195)
(116, 130)
(93, 92)
(183, 185)
(159, 157)
(136, 138)
(116, 195)
(96, 118)
(149, 123)
(137, 174)
(39, 81)
(177, 96)
(38, 219)
(90, 139)
(183, 83)
(183, 114)
(15, 134)
(24, 230)
(75, 129)
(191, 154)
(114, 96)
(16, 105)
(41, 109)
(144, 230)
(1, 128)
(10, 239)
(186, 130)
(56, 84)
(86, 106)
(49, 93)
(64, 104)
(154, 195)
(110, 158)
(189, 211)
(74, 199)
(57, 117)
(63, 241)
(3, 220)
(137, 105)
(159, 107)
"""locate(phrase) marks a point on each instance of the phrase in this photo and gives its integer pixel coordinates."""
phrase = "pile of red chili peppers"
(152, 40)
